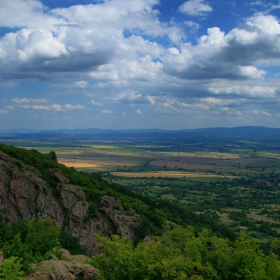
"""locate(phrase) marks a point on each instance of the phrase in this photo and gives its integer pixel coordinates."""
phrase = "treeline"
(184, 253)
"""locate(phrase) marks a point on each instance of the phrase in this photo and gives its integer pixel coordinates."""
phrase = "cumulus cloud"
(39, 104)
(53, 107)
(195, 8)
(81, 84)
(234, 56)
(138, 112)
(79, 38)
(127, 96)
(121, 51)
(132, 97)
(28, 100)
(107, 112)
(95, 103)
(268, 24)
(262, 112)
(74, 107)
(256, 3)
(27, 14)
(194, 26)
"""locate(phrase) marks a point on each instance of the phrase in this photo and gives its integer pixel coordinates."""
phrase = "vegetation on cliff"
(29, 241)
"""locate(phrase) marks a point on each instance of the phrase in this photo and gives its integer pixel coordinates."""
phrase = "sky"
(121, 64)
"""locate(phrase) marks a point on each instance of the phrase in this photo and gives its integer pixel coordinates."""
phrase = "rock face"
(124, 221)
(59, 176)
(73, 267)
(25, 195)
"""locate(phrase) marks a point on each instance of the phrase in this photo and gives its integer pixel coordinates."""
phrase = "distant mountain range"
(248, 132)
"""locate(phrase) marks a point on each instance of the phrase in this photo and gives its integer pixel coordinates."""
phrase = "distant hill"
(245, 132)
(249, 132)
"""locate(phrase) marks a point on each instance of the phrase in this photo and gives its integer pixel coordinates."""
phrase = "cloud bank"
(113, 55)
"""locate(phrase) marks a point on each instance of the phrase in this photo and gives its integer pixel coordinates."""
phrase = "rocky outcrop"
(124, 221)
(69, 267)
(59, 176)
(25, 195)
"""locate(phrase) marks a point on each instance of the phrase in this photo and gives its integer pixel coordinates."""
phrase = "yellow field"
(94, 163)
(166, 175)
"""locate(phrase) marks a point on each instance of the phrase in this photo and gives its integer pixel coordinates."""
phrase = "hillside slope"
(34, 185)
(25, 195)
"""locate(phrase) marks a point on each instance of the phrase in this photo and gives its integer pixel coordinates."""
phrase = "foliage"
(70, 243)
(184, 253)
(52, 155)
(30, 241)
(11, 269)
(42, 236)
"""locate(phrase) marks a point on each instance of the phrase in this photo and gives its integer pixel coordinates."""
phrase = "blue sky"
(139, 64)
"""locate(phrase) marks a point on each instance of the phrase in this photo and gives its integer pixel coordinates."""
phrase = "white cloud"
(27, 13)
(195, 8)
(81, 84)
(56, 107)
(263, 113)
(124, 114)
(53, 107)
(120, 53)
(194, 26)
(107, 112)
(237, 55)
(74, 107)
(268, 24)
(151, 100)
(257, 3)
(95, 103)
(127, 95)
(28, 100)
(81, 38)
(138, 112)
(215, 37)
(132, 97)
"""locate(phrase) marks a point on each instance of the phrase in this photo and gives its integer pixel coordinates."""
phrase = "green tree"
(42, 236)
(53, 156)
(11, 269)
